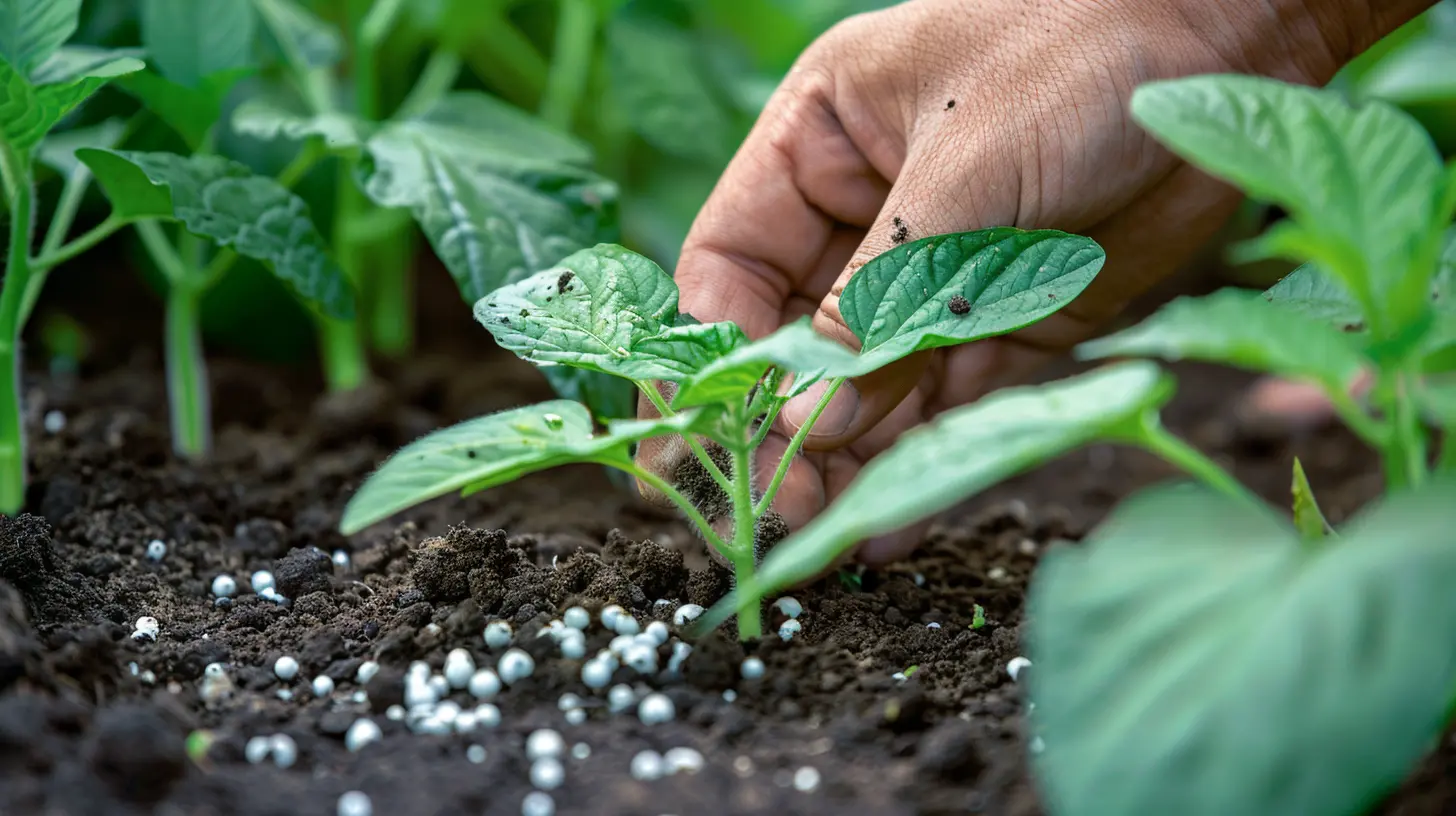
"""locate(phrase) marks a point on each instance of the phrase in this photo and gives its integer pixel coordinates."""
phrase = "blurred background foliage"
(668, 89)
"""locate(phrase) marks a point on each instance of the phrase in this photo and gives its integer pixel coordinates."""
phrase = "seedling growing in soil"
(614, 312)
(1201, 653)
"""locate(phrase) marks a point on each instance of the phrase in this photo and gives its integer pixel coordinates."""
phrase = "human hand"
(939, 116)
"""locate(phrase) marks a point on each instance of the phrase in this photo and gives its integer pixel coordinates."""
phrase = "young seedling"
(1201, 653)
(614, 312)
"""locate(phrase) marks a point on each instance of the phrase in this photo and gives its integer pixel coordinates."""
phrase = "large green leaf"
(498, 194)
(266, 119)
(191, 111)
(1237, 327)
(1360, 183)
(604, 309)
(190, 40)
(960, 453)
(220, 199)
(32, 30)
(28, 112)
(795, 347)
(305, 41)
(493, 450)
(949, 289)
(1195, 657)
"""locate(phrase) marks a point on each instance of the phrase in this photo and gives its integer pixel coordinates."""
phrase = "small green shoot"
(978, 616)
(613, 312)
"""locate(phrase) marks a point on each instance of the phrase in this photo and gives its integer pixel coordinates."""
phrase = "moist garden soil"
(82, 732)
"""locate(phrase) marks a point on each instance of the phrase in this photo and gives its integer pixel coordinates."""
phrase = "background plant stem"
(12, 294)
(794, 445)
(571, 60)
(187, 383)
(1155, 438)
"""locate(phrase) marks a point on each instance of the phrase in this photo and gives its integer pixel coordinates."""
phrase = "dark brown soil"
(81, 733)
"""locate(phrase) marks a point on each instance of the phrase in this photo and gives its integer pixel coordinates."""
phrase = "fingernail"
(837, 415)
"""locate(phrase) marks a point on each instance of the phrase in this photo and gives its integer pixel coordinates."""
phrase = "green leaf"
(306, 41)
(498, 194)
(190, 40)
(1308, 519)
(957, 455)
(191, 111)
(950, 289)
(493, 450)
(32, 30)
(1237, 327)
(1317, 295)
(607, 397)
(220, 199)
(268, 120)
(74, 62)
(795, 347)
(1422, 72)
(28, 112)
(662, 89)
(58, 151)
(1360, 183)
(1195, 657)
(604, 309)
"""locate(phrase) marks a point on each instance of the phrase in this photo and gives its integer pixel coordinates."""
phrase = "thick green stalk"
(342, 352)
(345, 361)
(505, 58)
(658, 483)
(794, 445)
(373, 29)
(392, 310)
(435, 80)
(655, 397)
(1155, 438)
(745, 529)
(187, 386)
(12, 294)
(571, 61)
(1410, 435)
(72, 193)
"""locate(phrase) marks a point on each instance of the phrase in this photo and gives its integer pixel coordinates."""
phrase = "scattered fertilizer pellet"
(487, 715)
(684, 760)
(223, 586)
(538, 803)
(285, 750)
(156, 550)
(656, 708)
(577, 618)
(919, 579)
(447, 711)
(621, 643)
(789, 606)
(148, 677)
(806, 779)
(789, 628)
(465, 722)
(642, 659)
(646, 766)
(661, 607)
(257, 749)
(620, 698)
(286, 668)
(657, 630)
(729, 695)
(476, 754)
(596, 673)
(547, 773)
(340, 559)
(743, 767)
(323, 685)
(576, 716)
(544, 742)
(262, 580)
(355, 803)
(394, 713)
(515, 665)
(147, 628)
(932, 625)
(580, 750)
(573, 645)
(54, 422)
(1016, 666)
(366, 672)
(497, 634)
(484, 684)
(687, 613)
(439, 685)
(360, 696)
(361, 733)
(568, 701)
(996, 573)
(284, 694)
(611, 614)
(627, 625)
(752, 668)
(459, 668)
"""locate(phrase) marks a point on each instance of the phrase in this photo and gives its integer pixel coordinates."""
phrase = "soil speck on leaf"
(958, 305)
(563, 281)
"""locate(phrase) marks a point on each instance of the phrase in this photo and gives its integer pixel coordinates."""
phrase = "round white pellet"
(627, 625)
(484, 684)
(257, 749)
(286, 668)
(394, 713)
(789, 606)
(752, 668)
(658, 631)
(680, 652)
(465, 722)
(340, 559)
(418, 691)
(223, 586)
(577, 618)
(642, 659)
(687, 613)
(459, 668)
(576, 716)
(567, 702)
(806, 779)
(447, 711)
(360, 696)
(323, 685)
(147, 627)
(538, 803)
(580, 750)
(611, 613)
(361, 733)
(355, 803)
(439, 685)
(54, 421)
(515, 665)
(420, 669)
(156, 550)
(621, 643)
(1016, 666)
(547, 773)
(285, 750)
(366, 672)
(789, 628)
(573, 645)
(620, 698)
(656, 708)
(487, 715)
(596, 673)
(932, 625)
(262, 580)
(682, 759)
(544, 742)
(284, 694)
(729, 695)
(476, 754)
(647, 766)
(215, 671)
(498, 634)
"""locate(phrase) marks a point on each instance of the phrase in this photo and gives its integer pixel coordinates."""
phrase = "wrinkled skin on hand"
(938, 116)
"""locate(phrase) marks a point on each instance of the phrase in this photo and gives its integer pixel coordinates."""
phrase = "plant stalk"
(187, 385)
(794, 445)
(341, 351)
(677, 498)
(1155, 438)
(663, 409)
(1410, 437)
(12, 294)
(571, 60)
(344, 358)
(435, 81)
(505, 58)
(745, 529)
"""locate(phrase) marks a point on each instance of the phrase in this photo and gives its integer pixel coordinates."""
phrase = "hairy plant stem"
(658, 483)
(794, 445)
(21, 190)
(1151, 435)
(571, 60)
(699, 451)
(435, 80)
(187, 384)
(745, 528)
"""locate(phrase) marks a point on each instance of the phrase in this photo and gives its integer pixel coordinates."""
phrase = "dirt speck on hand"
(901, 234)
(950, 105)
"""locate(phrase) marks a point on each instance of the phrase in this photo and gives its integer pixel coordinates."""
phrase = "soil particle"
(563, 282)
(958, 305)
(950, 105)
(137, 752)
(901, 233)
(303, 571)
(54, 592)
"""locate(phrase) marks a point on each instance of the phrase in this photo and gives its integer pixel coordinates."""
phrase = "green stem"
(571, 60)
(163, 254)
(438, 77)
(12, 293)
(373, 29)
(699, 451)
(72, 193)
(745, 531)
(1151, 435)
(187, 385)
(794, 445)
(661, 485)
(506, 59)
(50, 258)
(1408, 453)
(392, 311)
(293, 172)
(342, 353)
(766, 426)
(344, 358)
